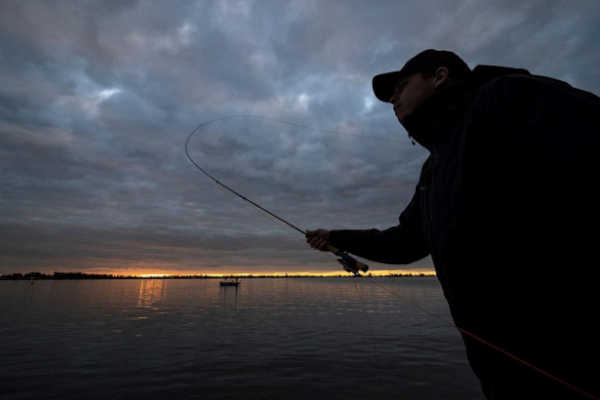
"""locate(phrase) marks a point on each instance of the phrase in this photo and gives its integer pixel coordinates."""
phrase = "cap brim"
(383, 85)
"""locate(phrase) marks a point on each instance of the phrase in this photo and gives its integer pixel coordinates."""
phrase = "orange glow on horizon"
(155, 273)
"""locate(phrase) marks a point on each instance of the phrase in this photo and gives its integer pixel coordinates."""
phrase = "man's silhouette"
(507, 205)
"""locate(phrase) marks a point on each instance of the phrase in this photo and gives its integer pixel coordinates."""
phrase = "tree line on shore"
(82, 275)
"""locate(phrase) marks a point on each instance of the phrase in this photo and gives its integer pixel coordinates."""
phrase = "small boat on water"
(235, 283)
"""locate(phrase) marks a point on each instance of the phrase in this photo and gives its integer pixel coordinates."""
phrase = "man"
(507, 207)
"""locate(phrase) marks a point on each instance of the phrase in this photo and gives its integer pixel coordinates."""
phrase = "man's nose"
(394, 99)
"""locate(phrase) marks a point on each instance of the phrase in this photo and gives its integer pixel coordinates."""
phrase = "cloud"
(97, 99)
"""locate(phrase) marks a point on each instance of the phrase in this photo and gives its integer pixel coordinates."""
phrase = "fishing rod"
(349, 263)
(354, 266)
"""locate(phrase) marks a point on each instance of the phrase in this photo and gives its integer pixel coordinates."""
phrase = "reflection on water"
(267, 339)
(151, 291)
(230, 296)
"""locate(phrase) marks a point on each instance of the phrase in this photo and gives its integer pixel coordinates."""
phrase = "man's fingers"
(318, 239)
(315, 242)
(318, 243)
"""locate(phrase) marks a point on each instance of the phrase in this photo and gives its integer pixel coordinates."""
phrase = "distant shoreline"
(83, 276)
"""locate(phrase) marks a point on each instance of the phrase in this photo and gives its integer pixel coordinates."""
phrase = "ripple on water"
(275, 338)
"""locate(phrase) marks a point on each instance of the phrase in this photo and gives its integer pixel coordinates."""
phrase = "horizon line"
(303, 274)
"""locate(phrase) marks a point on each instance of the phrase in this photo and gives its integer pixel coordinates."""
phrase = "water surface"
(321, 338)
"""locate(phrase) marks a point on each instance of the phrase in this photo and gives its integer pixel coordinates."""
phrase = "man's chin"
(402, 118)
(405, 120)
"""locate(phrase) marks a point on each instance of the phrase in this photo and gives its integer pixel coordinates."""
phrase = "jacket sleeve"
(400, 244)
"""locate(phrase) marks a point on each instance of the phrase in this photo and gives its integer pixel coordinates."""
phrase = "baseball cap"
(426, 61)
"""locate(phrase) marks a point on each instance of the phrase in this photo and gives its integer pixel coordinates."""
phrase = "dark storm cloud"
(97, 97)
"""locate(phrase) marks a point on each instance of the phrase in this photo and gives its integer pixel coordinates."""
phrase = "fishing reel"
(349, 263)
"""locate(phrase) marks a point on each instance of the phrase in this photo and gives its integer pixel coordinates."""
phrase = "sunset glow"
(222, 274)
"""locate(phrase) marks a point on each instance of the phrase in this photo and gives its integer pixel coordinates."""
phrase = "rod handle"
(349, 263)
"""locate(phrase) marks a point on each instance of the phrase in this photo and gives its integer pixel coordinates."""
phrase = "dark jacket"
(507, 205)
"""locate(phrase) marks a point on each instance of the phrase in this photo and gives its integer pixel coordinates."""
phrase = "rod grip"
(350, 263)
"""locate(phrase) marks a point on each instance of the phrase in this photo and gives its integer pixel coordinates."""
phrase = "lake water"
(326, 338)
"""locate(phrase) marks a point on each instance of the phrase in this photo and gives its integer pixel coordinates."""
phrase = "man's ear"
(440, 77)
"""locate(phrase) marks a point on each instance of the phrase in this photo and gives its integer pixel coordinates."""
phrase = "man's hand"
(318, 239)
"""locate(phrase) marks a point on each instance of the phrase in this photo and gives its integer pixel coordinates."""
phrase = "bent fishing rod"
(349, 263)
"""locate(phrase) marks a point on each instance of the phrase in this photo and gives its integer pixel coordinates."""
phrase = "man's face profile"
(412, 91)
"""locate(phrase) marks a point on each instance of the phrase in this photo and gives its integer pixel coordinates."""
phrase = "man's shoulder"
(523, 94)
(505, 85)
(518, 82)
(518, 85)
(520, 94)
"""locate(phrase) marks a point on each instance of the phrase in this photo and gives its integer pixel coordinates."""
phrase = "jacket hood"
(483, 74)
(441, 111)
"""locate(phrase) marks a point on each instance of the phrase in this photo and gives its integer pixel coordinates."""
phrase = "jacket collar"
(437, 115)
(431, 123)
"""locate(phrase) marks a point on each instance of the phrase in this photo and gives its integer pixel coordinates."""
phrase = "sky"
(97, 99)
